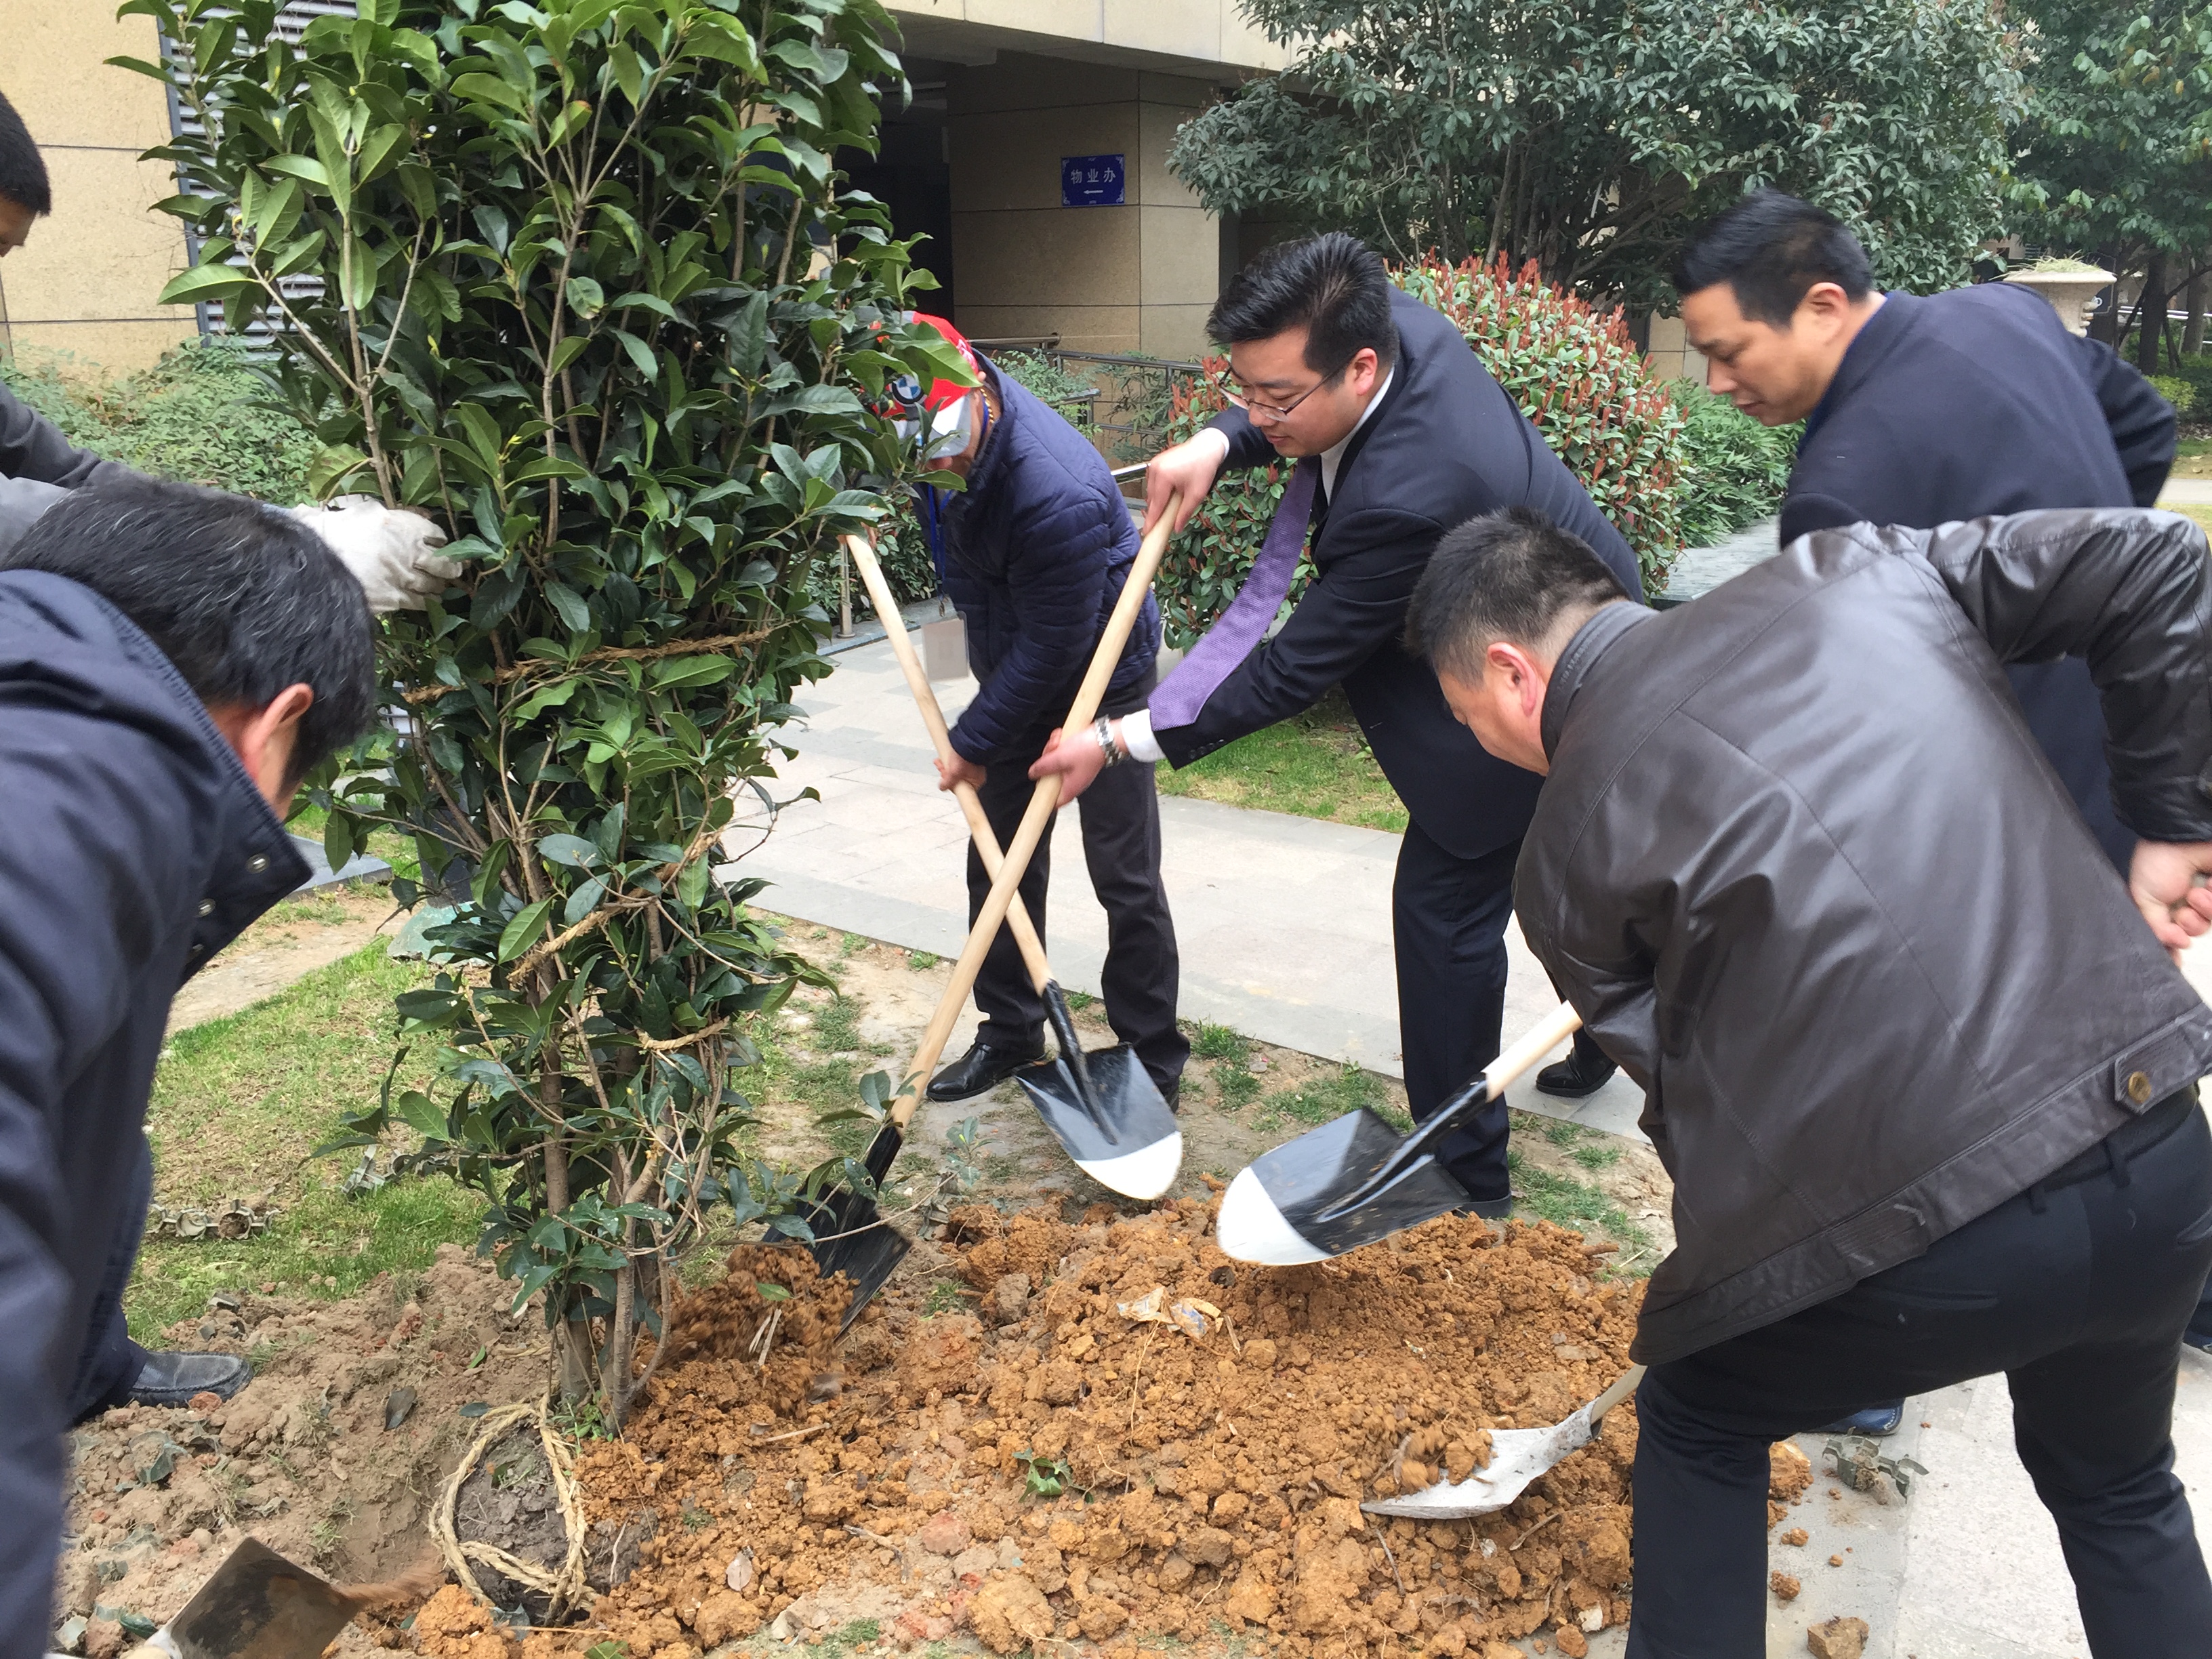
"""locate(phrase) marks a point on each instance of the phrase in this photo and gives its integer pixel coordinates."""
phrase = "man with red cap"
(1033, 552)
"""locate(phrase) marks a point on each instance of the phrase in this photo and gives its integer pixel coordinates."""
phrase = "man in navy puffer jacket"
(1033, 553)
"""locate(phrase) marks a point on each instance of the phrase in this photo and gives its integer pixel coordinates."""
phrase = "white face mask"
(951, 429)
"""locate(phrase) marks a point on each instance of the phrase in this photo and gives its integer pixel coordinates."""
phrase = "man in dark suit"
(1920, 410)
(1398, 433)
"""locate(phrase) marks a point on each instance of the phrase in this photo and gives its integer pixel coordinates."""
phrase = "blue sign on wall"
(1091, 181)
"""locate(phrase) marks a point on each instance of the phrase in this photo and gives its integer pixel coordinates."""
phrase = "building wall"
(1671, 355)
(84, 284)
(1207, 31)
(1137, 277)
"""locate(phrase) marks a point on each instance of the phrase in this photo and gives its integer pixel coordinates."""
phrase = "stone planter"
(2069, 291)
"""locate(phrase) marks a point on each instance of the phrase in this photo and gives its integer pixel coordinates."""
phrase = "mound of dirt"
(1152, 1438)
(303, 1459)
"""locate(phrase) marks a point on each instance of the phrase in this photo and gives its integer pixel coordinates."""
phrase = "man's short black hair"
(1507, 575)
(243, 599)
(1333, 286)
(22, 170)
(1770, 248)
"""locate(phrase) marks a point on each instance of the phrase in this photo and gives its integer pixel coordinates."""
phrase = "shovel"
(853, 1236)
(1103, 1108)
(1516, 1457)
(1357, 1180)
(259, 1606)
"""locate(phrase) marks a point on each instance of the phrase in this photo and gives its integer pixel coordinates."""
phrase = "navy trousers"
(1448, 924)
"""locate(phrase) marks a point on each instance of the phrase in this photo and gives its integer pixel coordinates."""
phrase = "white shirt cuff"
(1137, 737)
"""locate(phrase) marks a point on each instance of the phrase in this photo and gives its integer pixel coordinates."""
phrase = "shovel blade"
(865, 1257)
(1289, 1206)
(1517, 1456)
(1123, 1135)
(259, 1606)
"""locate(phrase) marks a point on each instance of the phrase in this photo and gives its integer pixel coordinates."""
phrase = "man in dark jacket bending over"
(1033, 553)
(1923, 1079)
(171, 661)
(1920, 410)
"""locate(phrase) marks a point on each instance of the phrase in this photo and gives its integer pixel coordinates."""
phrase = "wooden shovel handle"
(925, 699)
(1613, 1396)
(1546, 1035)
(1038, 817)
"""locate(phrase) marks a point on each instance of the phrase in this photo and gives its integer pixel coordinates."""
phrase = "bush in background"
(1735, 470)
(205, 414)
(1574, 372)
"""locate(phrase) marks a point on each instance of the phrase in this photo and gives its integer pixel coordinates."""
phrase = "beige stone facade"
(1005, 89)
(84, 284)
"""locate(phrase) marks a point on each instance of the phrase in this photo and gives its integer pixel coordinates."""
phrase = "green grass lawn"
(2192, 459)
(240, 1104)
(1317, 765)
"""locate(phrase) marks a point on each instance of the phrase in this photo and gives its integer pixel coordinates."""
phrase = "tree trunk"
(2106, 326)
(2151, 326)
(2192, 334)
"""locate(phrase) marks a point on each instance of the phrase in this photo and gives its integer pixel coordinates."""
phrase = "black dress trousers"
(1448, 921)
(1121, 818)
(2076, 1290)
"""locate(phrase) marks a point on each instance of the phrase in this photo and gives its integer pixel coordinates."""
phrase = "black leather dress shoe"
(1575, 1076)
(982, 1068)
(172, 1379)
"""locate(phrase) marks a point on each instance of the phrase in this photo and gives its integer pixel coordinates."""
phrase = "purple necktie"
(1230, 641)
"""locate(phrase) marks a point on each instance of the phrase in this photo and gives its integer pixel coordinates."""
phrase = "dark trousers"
(110, 1361)
(1121, 816)
(1448, 918)
(2076, 1290)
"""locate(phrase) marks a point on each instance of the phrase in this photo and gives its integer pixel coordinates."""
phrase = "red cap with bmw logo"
(946, 409)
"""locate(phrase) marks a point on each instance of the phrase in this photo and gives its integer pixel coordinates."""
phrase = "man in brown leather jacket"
(1923, 1076)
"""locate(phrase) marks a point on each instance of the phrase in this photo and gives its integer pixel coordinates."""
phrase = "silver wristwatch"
(1103, 731)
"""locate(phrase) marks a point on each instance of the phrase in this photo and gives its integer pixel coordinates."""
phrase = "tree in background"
(2117, 165)
(1589, 134)
(588, 292)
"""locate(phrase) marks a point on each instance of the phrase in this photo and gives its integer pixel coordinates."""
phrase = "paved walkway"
(1283, 922)
(1284, 929)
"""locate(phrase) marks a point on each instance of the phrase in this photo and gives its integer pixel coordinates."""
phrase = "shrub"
(205, 414)
(1735, 470)
(1574, 372)
(590, 295)
(2181, 394)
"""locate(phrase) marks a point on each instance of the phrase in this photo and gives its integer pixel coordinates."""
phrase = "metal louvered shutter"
(292, 22)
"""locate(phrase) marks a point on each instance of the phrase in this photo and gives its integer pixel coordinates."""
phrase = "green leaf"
(203, 283)
(490, 90)
(701, 670)
(305, 168)
(572, 850)
(421, 1113)
(357, 275)
(522, 932)
(570, 604)
(770, 1291)
(585, 297)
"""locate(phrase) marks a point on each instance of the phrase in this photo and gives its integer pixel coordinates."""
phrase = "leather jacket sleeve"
(2132, 593)
(2141, 421)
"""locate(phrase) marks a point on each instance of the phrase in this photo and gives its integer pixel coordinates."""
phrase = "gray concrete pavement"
(1283, 922)
(1284, 925)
